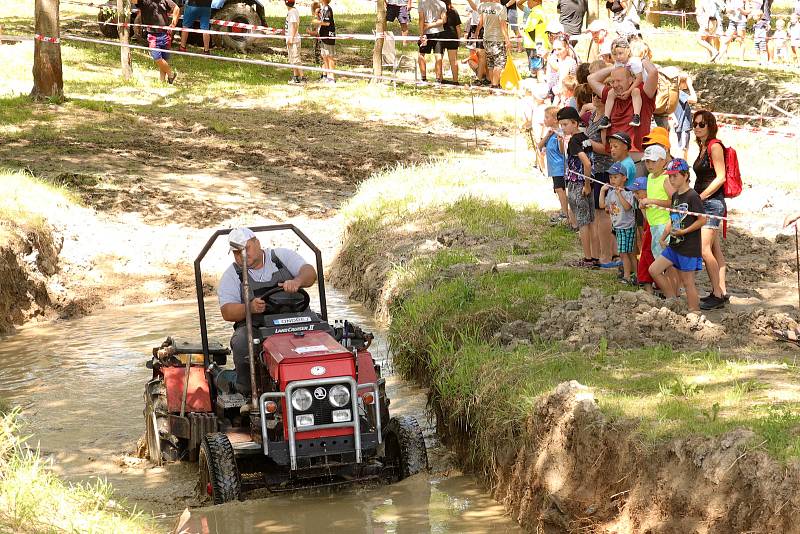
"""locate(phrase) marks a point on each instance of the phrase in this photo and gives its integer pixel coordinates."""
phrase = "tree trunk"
(123, 16)
(48, 80)
(380, 28)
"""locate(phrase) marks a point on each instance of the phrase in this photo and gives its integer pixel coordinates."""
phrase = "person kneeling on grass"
(577, 177)
(684, 249)
(619, 203)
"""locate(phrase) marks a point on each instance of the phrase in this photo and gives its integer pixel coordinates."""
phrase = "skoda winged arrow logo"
(320, 393)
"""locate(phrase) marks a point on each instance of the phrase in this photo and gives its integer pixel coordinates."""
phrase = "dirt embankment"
(28, 258)
(721, 91)
(575, 471)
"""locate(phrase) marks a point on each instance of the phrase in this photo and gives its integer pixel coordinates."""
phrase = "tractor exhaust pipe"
(248, 319)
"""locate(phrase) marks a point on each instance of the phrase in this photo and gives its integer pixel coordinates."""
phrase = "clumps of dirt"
(753, 259)
(578, 471)
(28, 257)
(725, 91)
(636, 319)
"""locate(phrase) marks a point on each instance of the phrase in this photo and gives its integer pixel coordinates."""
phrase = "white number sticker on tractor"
(312, 348)
(318, 370)
(291, 320)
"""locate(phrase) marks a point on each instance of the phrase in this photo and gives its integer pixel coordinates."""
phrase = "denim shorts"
(191, 14)
(713, 206)
(655, 246)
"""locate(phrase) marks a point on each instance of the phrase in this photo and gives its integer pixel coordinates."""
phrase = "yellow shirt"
(536, 25)
(656, 190)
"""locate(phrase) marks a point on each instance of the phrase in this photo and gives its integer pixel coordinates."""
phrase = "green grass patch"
(34, 500)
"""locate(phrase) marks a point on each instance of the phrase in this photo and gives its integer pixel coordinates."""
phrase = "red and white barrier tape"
(54, 40)
(344, 73)
(763, 131)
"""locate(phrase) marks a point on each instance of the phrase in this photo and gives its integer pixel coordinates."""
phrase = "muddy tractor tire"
(219, 474)
(162, 446)
(405, 447)
(107, 30)
(236, 12)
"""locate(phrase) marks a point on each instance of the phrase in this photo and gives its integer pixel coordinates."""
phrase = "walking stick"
(797, 261)
(474, 120)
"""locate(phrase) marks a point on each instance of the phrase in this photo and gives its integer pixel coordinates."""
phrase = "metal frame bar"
(354, 423)
(198, 276)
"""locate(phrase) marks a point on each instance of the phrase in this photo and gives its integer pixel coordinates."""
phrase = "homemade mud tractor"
(319, 412)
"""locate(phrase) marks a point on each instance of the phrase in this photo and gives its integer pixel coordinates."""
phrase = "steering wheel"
(280, 301)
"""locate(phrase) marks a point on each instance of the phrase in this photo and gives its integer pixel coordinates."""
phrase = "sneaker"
(703, 299)
(206, 52)
(294, 80)
(726, 297)
(635, 121)
(182, 49)
(713, 303)
(485, 82)
(171, 77)
(604, 123)
(302, 79)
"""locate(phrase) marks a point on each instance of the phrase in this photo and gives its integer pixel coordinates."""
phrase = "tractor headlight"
(339, 396)
(301, 399)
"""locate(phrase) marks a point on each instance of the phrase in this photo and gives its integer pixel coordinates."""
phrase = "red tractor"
(320, 416)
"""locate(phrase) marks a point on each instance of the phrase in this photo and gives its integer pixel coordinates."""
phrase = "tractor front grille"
(321, 408)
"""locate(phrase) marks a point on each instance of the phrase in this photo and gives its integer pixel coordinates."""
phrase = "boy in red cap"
(681, 239)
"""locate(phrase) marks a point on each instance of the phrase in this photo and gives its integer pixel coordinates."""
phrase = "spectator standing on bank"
(496, 43)
(313, 31)
(760, 31)
(619, 204)
(560, 64)
(737, 11)
(781, 42)
(602, 237)
(553, 145)
(475, 40)
(451, 25)
(400, 11)
(193, 11)
(600, 45)
(327, 37)
(570, 14)
(514, 25)
(709, 170)
(682, 117)
(160, 13)
(292, 30)
(431, 12)
(794, 36)
(534, 39)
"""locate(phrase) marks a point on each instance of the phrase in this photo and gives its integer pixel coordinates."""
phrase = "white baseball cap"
(239, 237)
(654, 153)
(597, 25)
(554, 26)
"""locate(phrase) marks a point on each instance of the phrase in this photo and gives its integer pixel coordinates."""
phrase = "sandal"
(789, 336)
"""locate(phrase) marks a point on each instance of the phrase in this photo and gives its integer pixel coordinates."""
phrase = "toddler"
(621, 53)
(794, 35)
(781, 42)
(619, 203)
(760, 30)
(681, 240)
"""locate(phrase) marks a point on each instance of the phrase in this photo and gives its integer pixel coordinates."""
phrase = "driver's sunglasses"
(699, 125)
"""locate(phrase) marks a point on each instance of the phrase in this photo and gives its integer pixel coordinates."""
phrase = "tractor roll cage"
(198, 276)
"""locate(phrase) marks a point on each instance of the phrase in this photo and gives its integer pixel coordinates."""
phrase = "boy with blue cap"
(619, 203)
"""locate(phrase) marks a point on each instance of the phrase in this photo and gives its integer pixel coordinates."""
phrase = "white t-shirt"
(432, 11)
(634, 65)
(292, 17)
(230, 287)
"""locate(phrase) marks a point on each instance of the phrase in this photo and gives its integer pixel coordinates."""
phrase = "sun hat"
(657, 136)
(654, 153)
(239, 237)
(639, 184)
(677, 165)
(617, 168)
(597, 25)
(623, 137)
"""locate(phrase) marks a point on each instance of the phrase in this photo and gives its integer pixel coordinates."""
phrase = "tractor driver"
(267, 268)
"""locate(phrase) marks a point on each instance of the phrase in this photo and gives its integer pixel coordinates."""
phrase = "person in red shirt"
(620, 81)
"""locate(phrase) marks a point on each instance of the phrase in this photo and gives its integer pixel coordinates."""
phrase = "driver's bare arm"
(305, 278)
(233, 312)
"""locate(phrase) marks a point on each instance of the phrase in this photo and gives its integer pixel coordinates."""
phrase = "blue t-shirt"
(630, 171)
(555, 159)
(683, 114)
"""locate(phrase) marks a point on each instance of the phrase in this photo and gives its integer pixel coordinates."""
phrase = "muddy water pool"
(80, 384)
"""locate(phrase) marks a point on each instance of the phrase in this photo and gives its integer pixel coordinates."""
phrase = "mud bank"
(28, 258)
(577, 471)
(558, 458)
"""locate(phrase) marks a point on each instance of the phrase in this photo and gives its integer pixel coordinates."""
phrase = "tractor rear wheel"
(236, 12)
(405, 447)
(219, 475)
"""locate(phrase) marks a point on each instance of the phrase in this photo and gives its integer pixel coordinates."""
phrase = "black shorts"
(603, 177)
(558, 182)
(397, 13)
(432, 45)
(471, 35)
(450, 40)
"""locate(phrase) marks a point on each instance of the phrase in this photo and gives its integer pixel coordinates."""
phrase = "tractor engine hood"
(305, 356)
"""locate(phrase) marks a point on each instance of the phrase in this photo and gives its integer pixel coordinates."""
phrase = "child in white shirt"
(622, 56)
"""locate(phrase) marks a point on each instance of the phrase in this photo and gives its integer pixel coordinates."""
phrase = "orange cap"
(657, 136)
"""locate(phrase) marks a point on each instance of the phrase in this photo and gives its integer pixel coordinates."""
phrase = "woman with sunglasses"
(709, 169)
